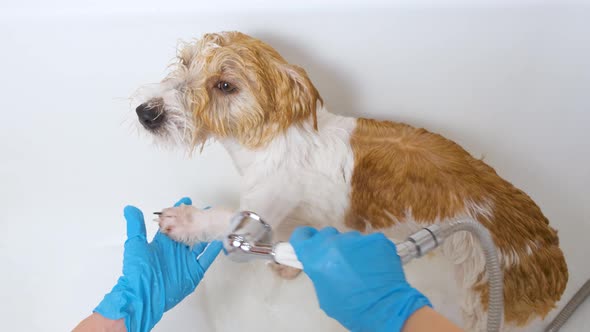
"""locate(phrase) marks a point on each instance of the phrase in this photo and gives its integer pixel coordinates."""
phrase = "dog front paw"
(180, 223)
(189, 225)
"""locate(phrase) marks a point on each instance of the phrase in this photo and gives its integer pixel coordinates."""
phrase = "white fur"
(289, 180)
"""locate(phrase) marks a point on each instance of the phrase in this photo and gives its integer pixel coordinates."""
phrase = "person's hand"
(358, 279)
(156, 275)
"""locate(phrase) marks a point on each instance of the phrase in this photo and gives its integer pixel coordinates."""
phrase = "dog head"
(229, 85)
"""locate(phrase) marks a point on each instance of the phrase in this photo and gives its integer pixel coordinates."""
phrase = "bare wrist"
(99, 323)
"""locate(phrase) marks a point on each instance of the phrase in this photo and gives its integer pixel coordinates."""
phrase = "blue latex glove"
(358, 279)
(156, 275)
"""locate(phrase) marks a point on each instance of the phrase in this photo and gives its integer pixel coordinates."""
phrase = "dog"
(302, 165)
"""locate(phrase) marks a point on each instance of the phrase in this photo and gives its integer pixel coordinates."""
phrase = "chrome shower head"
(250, 237)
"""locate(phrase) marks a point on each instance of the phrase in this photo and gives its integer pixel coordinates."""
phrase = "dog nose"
(150, 116)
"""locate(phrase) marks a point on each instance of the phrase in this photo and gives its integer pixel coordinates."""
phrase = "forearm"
(426, 320)
(98, 323)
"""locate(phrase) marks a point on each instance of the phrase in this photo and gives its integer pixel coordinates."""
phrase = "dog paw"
(180, 223)
(283, 271)
(189, 225)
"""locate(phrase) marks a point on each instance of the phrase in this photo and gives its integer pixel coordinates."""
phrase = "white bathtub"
(508, 80)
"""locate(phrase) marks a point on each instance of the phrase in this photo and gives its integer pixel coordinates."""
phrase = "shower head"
(250, 237)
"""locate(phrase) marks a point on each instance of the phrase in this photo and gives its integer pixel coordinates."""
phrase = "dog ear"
(296, 97)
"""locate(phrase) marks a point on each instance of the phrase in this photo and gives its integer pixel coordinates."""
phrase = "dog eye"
(226, 87)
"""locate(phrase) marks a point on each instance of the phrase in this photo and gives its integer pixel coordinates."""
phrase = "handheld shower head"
(249, 237)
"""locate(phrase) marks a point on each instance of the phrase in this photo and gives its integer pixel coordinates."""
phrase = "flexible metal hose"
(494, 272)
(569, 308)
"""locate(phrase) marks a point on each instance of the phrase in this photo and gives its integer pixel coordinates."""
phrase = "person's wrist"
(390, 313)
(110, 325)
(125, 302)
(403, 303)
(98, 323)
(118, 305)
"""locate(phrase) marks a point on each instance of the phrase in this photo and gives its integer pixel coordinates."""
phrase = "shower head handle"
(249, 237)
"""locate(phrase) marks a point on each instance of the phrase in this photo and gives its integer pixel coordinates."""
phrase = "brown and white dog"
(302, 165)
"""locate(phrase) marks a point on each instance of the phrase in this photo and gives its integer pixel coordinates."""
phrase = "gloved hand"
(156, 275)
(358, 279)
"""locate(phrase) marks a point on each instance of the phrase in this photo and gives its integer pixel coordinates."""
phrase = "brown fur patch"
(400, 169)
